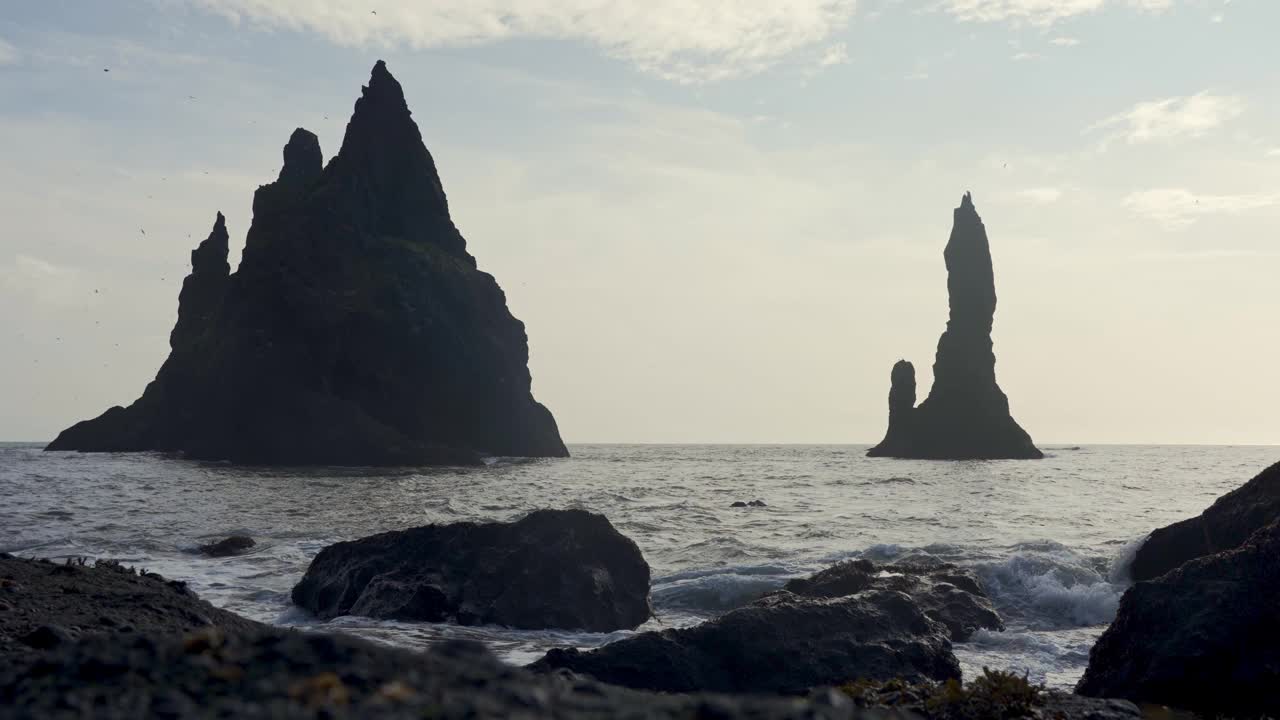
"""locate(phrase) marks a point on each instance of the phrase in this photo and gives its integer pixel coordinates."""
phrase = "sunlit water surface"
(1049, 538)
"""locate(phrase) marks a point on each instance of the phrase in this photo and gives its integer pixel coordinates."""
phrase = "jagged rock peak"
(966, 203)
(210, 256)
(383, 154)
(302, 159)
(380, 107)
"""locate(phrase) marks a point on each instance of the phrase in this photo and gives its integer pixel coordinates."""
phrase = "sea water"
(1050, 539)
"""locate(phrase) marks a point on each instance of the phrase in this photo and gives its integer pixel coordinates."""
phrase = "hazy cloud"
(8, 54)
(837, 54)
(1039, 196)
(1172, 118)
(1038, 12)
(1179, 207)
(1065, 41)
(1155, 6)
(41, 280)
(677, 39)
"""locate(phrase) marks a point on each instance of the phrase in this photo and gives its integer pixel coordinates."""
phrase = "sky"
(720, 220)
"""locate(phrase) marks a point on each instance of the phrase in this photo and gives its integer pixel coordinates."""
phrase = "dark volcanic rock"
(290, 675)
(991, 695)
(1204, 637)
(551, 569)
(48, 604)
(357, 329)
(227, 547)
(782, 643)
(949, 594)
(966, 415)
(1225, 525)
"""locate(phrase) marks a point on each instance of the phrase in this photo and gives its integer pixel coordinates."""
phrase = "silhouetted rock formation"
(1204, 637)
(356, 331)
(1225, 525)
(948, 593)
(565, 569)
(966, 415)
(782, 643)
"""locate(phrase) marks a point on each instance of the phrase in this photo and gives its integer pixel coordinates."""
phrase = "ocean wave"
(1045, 585)
(1122, 563)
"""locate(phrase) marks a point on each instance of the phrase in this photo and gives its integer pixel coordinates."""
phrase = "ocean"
(1049, 538)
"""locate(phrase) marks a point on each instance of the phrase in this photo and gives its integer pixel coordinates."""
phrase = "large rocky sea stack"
(357, 329)
(966, 416)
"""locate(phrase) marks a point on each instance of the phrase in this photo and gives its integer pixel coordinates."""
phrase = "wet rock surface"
(783, 643)
(966, 415)
(990, 695)
(1204, 637)
(949, 594)
(1225, 525)
(48, 604)
(565, 569)
(357, 329)
(278, 674)
(234, 545)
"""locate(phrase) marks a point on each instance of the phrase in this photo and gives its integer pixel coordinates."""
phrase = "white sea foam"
(1123, 561)
(713, 591)
(1045, 585)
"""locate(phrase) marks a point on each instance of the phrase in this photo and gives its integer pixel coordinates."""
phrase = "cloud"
(1179, 207)
(42, 280)
(1173, 118)
(8, 54)
(1034, 12)
(680, 40)
(1039, 196)
(837, 54)
(1065, 41)
(1041, 13)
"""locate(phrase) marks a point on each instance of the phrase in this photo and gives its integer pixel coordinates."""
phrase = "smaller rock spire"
(210, 256)
(302, 159)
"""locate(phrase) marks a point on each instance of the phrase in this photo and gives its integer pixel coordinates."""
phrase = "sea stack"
(357, 329)
(966, 416)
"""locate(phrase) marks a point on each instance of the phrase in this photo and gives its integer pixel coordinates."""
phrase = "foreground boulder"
(44, 604)
(357, 329)
(947, 593)
(1204, 637)
(966, 415)
(292, 675)
(782, 643)
(1228, 523)
(566, 569)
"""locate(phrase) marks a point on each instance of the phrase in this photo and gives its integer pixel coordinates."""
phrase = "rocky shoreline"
(105, 641)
